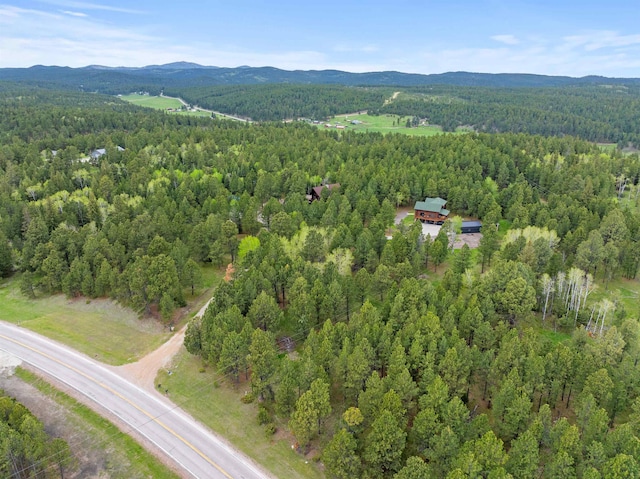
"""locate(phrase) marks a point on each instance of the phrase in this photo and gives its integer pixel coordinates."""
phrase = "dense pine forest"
(392, 358)
(281, 101)
(604, 113)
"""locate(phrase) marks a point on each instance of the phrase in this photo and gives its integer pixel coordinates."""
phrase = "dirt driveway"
(472, 240)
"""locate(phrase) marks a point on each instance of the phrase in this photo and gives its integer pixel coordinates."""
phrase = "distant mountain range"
(185, 74)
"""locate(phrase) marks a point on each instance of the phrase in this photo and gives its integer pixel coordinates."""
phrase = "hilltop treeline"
(281, 101)
(395, 375)
(595, 113)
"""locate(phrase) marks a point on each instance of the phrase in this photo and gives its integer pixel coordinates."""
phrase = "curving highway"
(194, 450)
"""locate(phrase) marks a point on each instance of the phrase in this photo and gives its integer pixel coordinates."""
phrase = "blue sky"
(560, 37)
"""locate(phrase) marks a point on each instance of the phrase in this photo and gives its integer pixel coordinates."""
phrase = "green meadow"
(160, 103)
(383, 124)
(157, 102)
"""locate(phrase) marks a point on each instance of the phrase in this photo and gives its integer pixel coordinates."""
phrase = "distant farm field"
(382, 124)
(161, 103)
(157, 102)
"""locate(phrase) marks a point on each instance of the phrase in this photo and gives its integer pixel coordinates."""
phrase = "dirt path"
(393, 97)
(402, 213)
(196, 107)
(144, 372)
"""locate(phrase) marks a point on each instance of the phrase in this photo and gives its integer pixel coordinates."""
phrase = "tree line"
(596, 113)
(283, 101)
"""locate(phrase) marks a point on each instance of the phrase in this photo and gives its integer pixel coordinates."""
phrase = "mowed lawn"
(214, 401)
(100, 328)
(383, 124)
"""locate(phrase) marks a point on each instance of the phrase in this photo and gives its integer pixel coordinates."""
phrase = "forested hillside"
(593, 108)
(404, 359)
(114, 80)
(604, 113)
(282, 101)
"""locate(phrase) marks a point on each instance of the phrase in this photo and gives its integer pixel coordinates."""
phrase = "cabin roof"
(435, 205)
(318, 189)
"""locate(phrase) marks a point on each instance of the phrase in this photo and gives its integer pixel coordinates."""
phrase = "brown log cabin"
(316, 191)
(431, 210)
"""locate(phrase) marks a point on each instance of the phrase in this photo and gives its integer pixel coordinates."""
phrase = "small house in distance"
(316, 191)
(95, 154)
(431, 210)
(471, 227)
(99, 152)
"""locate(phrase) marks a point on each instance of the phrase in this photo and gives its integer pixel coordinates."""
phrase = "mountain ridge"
(106, 79)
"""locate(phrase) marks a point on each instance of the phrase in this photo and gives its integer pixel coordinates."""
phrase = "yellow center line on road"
(111, 390)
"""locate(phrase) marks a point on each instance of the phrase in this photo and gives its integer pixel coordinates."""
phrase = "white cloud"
(90, 6)
(32, 37)
(74, 14)
(506, 39)
(542, 58)
(68, 37)
(29, 37)
(596, 40)
(9, 11)
(17, 12)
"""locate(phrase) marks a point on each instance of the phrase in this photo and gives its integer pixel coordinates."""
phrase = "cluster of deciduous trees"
(26, 451)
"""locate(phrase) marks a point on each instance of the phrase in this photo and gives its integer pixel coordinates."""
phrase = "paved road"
(226, 115)
(194, 450)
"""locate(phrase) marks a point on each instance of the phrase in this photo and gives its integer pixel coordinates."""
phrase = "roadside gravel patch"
(8, 364)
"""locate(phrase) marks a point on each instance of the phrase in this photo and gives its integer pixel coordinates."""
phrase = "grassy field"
(608, 147)
(627, 291)
(383, 124)
(100, 327)
(157, 102)
(160, 103)
(126, 458)
(219, 407)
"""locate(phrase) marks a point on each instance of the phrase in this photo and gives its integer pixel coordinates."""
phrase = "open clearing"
(162, 103)
(100, 328)
(156, 102)
(626, 291)
(166, 102)
(382, 124)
